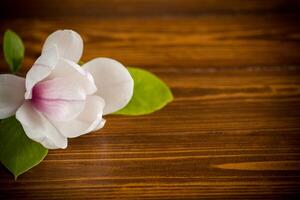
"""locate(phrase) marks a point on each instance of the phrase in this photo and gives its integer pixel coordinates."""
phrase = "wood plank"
(232, 131)
(121, 8)
(198, 43)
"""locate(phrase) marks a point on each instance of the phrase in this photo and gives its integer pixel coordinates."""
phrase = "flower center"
(36, 99)
(51, 99)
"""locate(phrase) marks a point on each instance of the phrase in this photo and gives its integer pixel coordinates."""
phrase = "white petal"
(87, 121)
(69, 43)
(12, 90)
(42, 67)
(114, 83)
(100, 125)
(69, 69)
(38, 128)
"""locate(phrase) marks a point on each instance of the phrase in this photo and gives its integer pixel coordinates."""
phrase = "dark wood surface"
(233, 130)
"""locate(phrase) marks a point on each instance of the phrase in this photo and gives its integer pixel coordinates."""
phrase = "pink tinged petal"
(87, 121)
(59, 88)
(38, 128)
(114, 83)
(71, 70)
(69, 43)
(42, 68)
(12, 90)
(57, 109)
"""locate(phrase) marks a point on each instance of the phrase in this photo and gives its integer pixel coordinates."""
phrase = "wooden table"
(233, 130)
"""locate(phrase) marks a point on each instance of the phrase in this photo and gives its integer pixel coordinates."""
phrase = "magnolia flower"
(60, 99)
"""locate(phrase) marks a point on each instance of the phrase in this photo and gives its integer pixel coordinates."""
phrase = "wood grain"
(144, 8)
(233, 129)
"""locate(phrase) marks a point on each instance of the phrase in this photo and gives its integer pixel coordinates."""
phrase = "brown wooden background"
(233, 130)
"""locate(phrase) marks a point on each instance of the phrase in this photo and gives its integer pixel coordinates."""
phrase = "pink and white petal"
(12, 90)
(114, 83)
(42, 68)
(66, 68)
(38, 128)
(59, 110)
(69, 43)
(59, 88)
(87, 121)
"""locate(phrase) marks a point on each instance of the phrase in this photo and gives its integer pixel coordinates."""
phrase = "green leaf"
(18, 153)
(13, 49)
(150, 94)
